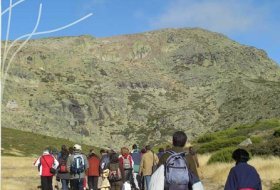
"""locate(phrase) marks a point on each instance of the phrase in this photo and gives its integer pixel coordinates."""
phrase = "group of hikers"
(171, 169)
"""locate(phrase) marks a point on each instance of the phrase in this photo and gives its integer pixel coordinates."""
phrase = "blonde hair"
(124, 150)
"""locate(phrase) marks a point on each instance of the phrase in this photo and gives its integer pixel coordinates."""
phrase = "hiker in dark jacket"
(45, 162)
(115, 176)
(179, 142)
(136, 157)
(63, 175)
(160, 152)
(242, 176)
(77, 179)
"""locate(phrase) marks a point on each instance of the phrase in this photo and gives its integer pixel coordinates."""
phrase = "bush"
(206, 138)
(219, 144)
(223, 155)
(276, 133)
(270, 147)
(276, 186)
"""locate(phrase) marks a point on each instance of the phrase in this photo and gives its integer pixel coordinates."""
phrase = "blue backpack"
(176, 171)
(78, 164)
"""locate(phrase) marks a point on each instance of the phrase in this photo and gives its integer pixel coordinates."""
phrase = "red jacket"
(93, 163)
(45, 162)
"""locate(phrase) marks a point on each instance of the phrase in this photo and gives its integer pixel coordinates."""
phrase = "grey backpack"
(176, 171)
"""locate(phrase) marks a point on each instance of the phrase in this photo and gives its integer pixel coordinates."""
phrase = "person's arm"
(37, 162)
(156, 159)
(260, 183)
(86, 163)
(196, 160)
(141, 166)
(231, 182)
(55, 163)
(68, 163)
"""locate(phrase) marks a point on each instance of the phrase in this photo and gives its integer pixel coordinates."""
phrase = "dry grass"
(268, 168)
(18, 173)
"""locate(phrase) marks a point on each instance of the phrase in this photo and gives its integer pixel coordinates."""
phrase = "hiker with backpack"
(115, 174)
(103, 181)
(126, 165)
(77, 164)
(136, 157)
(62, 174)
(148, 165)
(242, 176)
(179, 168)
(47, 165)
(93, 170)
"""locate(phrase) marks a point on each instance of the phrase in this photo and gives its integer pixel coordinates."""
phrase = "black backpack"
(115, 172)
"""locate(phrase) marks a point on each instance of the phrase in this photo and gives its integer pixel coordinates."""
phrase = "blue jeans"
(147, 180)
(65, 183)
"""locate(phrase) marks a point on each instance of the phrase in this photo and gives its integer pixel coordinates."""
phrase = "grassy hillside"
(263, 134)
(20, 143)
(138, 88)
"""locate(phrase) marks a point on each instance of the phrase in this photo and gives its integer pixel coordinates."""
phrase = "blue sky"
(251, 22)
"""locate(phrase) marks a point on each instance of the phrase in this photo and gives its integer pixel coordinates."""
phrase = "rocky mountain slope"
(138, 88)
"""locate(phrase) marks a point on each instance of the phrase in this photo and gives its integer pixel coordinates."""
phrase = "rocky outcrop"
(139, 88)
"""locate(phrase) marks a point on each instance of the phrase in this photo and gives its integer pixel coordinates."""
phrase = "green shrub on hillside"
(235, 135)
(276, 186)
(29, 144)
(223, 155)
(276, 133)
(206, 138)
(270, 147)
(219, 144)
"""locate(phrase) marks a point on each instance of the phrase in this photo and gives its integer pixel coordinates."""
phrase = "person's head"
(134, 146)
(161, 150)
(77, 147)
(191, 150)
(124, 150)
(148, 147)
(179, 139)
(46, 150)
(92, 153)
(240, 155)
(71, 150)
(63, 147)
(114, 157)
(143, 150)
(102, 151)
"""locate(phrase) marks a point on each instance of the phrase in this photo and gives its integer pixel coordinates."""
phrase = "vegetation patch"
(27, 143)
(223, 155)
(263, 144)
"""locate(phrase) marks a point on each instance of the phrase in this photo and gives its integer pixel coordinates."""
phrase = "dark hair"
(240, 155)
(179, 139)
(161, 150)
(148, 147)
(134, 146)
(143, 150)
(71, 150)
(102, 151)
(114, 157)
(63, 147)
